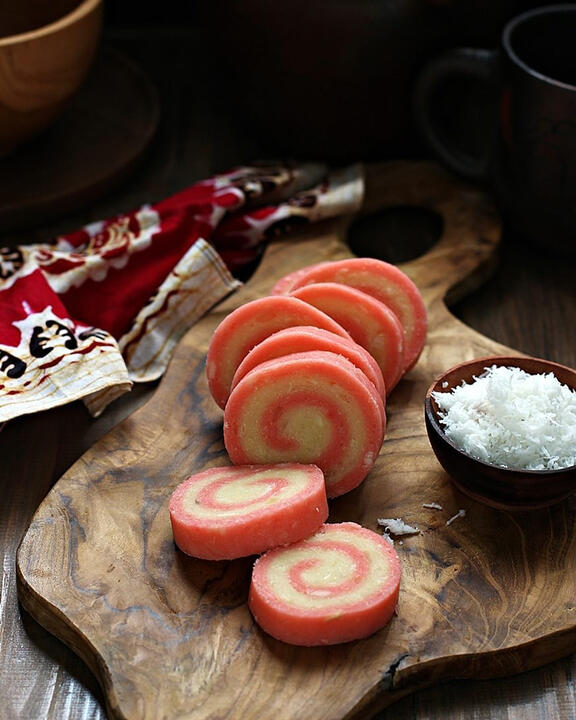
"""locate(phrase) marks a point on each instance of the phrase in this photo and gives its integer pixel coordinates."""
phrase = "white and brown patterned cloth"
(89, 313)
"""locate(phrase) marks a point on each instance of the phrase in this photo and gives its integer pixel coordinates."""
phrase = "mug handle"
(473, 63)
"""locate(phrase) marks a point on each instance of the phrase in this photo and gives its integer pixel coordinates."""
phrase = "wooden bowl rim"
(499, 360)
(82, 9)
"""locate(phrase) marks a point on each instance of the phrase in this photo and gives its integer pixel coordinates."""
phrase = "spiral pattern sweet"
(248, 325)
(312, 407)
(386, 283)
(369, 322)
(288, 282)
(338, 585)
(230, 512)
(307, 338)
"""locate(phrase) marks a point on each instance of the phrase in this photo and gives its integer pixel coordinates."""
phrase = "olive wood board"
(169, 636)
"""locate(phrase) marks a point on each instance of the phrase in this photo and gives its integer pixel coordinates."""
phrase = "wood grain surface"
(166, 635)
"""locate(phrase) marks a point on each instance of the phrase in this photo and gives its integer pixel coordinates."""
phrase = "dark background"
(331, 79)
(238, 80)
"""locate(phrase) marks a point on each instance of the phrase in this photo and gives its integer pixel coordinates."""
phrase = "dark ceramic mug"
(528, 144)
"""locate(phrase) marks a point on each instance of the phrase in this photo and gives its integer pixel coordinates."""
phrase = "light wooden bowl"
(43, 60)
(493, 485)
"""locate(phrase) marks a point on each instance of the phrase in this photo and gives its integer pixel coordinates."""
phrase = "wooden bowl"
(493, 485)
(45, 51)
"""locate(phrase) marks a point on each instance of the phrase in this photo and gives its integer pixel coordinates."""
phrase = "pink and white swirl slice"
(307, 338)
(287, 283)
(312, 407)
(369, 322)
(341, 584)
(230, 512)
(248, 325)
(386, 283)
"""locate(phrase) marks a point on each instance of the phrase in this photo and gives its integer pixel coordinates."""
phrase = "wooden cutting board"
(168, 636)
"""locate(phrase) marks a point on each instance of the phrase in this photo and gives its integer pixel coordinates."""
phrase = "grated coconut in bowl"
(512, 419)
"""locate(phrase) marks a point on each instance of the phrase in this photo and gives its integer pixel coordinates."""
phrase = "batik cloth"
(87, 314)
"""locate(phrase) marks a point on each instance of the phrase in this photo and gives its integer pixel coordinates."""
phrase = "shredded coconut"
(397, 527)
(459, 514)
(432, 506)
(512, 419)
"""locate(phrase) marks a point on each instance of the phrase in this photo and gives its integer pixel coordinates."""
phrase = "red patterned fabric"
(89, 313)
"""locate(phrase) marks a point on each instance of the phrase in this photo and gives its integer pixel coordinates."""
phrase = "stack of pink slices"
(302, 376)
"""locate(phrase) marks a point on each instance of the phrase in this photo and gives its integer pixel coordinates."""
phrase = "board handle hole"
(396, 234)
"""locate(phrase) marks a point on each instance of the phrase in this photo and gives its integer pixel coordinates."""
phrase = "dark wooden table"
(529, 304)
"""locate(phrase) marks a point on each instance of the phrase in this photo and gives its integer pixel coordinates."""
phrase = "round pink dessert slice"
(287, 283)
(313, 407)
(341, 584)
(368, 321)
(230, 512)
(386, 283)
(248, 325)
(304, 339)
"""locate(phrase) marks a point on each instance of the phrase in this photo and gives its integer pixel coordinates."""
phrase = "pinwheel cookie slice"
(312, 407)
(288, 282)
(230, 512)
(248, 325)
(307, 338)
(341, 584)
(386, 283)
(368, 321)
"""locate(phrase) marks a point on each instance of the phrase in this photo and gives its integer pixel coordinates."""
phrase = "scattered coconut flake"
(432, 506)
(390, 540)
(397, 527)
(459, 514)
(510, 418)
